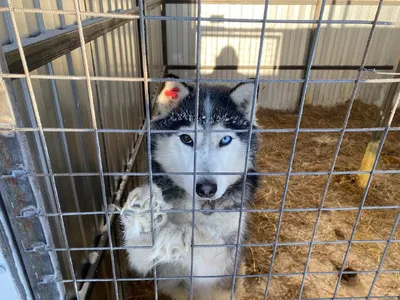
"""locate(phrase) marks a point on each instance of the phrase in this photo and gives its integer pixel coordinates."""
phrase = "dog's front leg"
(171, 242)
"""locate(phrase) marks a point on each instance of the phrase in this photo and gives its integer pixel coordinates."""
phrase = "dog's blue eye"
(226, 140)
(186, 139)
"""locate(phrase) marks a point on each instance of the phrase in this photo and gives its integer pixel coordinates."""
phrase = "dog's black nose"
(206, 189)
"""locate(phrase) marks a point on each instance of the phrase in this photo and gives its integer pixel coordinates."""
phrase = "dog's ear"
(171, 94)
(243, 95)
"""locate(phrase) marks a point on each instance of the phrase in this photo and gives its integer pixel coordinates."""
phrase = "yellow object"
(367, 163)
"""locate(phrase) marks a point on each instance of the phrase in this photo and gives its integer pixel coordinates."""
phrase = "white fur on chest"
(171, 251)
(211, 228)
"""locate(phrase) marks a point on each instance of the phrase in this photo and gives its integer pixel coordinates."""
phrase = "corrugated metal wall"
(224, 43)
(65, 104)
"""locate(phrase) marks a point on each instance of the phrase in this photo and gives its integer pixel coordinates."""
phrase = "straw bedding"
(314, 152)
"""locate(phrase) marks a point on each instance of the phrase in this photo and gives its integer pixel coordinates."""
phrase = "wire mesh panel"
(66, 106)
(77, 137)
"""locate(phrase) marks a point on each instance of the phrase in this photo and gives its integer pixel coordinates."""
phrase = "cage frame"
(12, 68)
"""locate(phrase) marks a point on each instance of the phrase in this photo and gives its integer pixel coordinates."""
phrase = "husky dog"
(220, 108)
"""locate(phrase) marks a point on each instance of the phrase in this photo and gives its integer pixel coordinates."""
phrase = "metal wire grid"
(291, 159)
(28, 211)
(252, 113)
(148, 132)
(197, 96)
(142, 18)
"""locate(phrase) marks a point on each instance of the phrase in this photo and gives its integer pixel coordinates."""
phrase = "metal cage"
(78, 81)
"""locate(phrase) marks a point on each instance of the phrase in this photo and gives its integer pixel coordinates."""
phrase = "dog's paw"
(139, 210)
(172, 245)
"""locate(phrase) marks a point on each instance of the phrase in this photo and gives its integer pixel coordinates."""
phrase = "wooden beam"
(44, 51)
(151, 5)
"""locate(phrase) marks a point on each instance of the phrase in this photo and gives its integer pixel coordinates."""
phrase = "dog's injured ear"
(171, 94)
(243, 95)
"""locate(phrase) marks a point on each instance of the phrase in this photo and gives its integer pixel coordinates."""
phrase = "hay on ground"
(314, 152)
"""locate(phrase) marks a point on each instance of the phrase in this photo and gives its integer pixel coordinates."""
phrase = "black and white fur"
(219, 108)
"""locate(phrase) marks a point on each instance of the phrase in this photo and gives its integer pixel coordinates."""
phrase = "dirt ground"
(314, 152)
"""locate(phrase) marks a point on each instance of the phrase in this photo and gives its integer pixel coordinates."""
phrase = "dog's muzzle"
(206, 189)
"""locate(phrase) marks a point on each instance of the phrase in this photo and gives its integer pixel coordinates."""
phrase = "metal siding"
(287, 44)
(4, 39)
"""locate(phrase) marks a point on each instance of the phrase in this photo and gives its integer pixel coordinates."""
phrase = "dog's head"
(220, 108)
